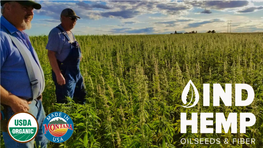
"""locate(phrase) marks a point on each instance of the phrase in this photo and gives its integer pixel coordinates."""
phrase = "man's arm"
(17, 104)
(6, 98)
(55, 68)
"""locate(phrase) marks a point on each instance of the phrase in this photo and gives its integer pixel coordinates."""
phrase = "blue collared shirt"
(59, 43)
(14, 77)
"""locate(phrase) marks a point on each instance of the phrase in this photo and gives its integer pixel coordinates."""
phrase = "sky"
(123, 17)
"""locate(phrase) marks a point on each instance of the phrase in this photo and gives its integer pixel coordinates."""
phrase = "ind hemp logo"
(220, 95)
(22, 127)
(185, 93)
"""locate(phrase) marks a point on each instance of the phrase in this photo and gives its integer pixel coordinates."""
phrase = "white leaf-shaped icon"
(185, 93)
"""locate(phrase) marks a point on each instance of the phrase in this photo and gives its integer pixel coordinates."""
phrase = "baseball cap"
(24, 2)
(69, 13)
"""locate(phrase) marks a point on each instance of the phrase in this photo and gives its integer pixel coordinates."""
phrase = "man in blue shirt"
(15, 86)
(64, 55)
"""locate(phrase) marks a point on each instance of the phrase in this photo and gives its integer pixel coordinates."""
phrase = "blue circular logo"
(58, 127)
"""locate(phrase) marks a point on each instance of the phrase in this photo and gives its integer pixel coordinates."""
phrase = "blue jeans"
(74, 87)
(37, 110)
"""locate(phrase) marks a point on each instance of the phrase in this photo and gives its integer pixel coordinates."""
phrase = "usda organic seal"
(22, 127)
(58, 127)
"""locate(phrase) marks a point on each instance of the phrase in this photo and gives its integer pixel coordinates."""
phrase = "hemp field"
(134, 85)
